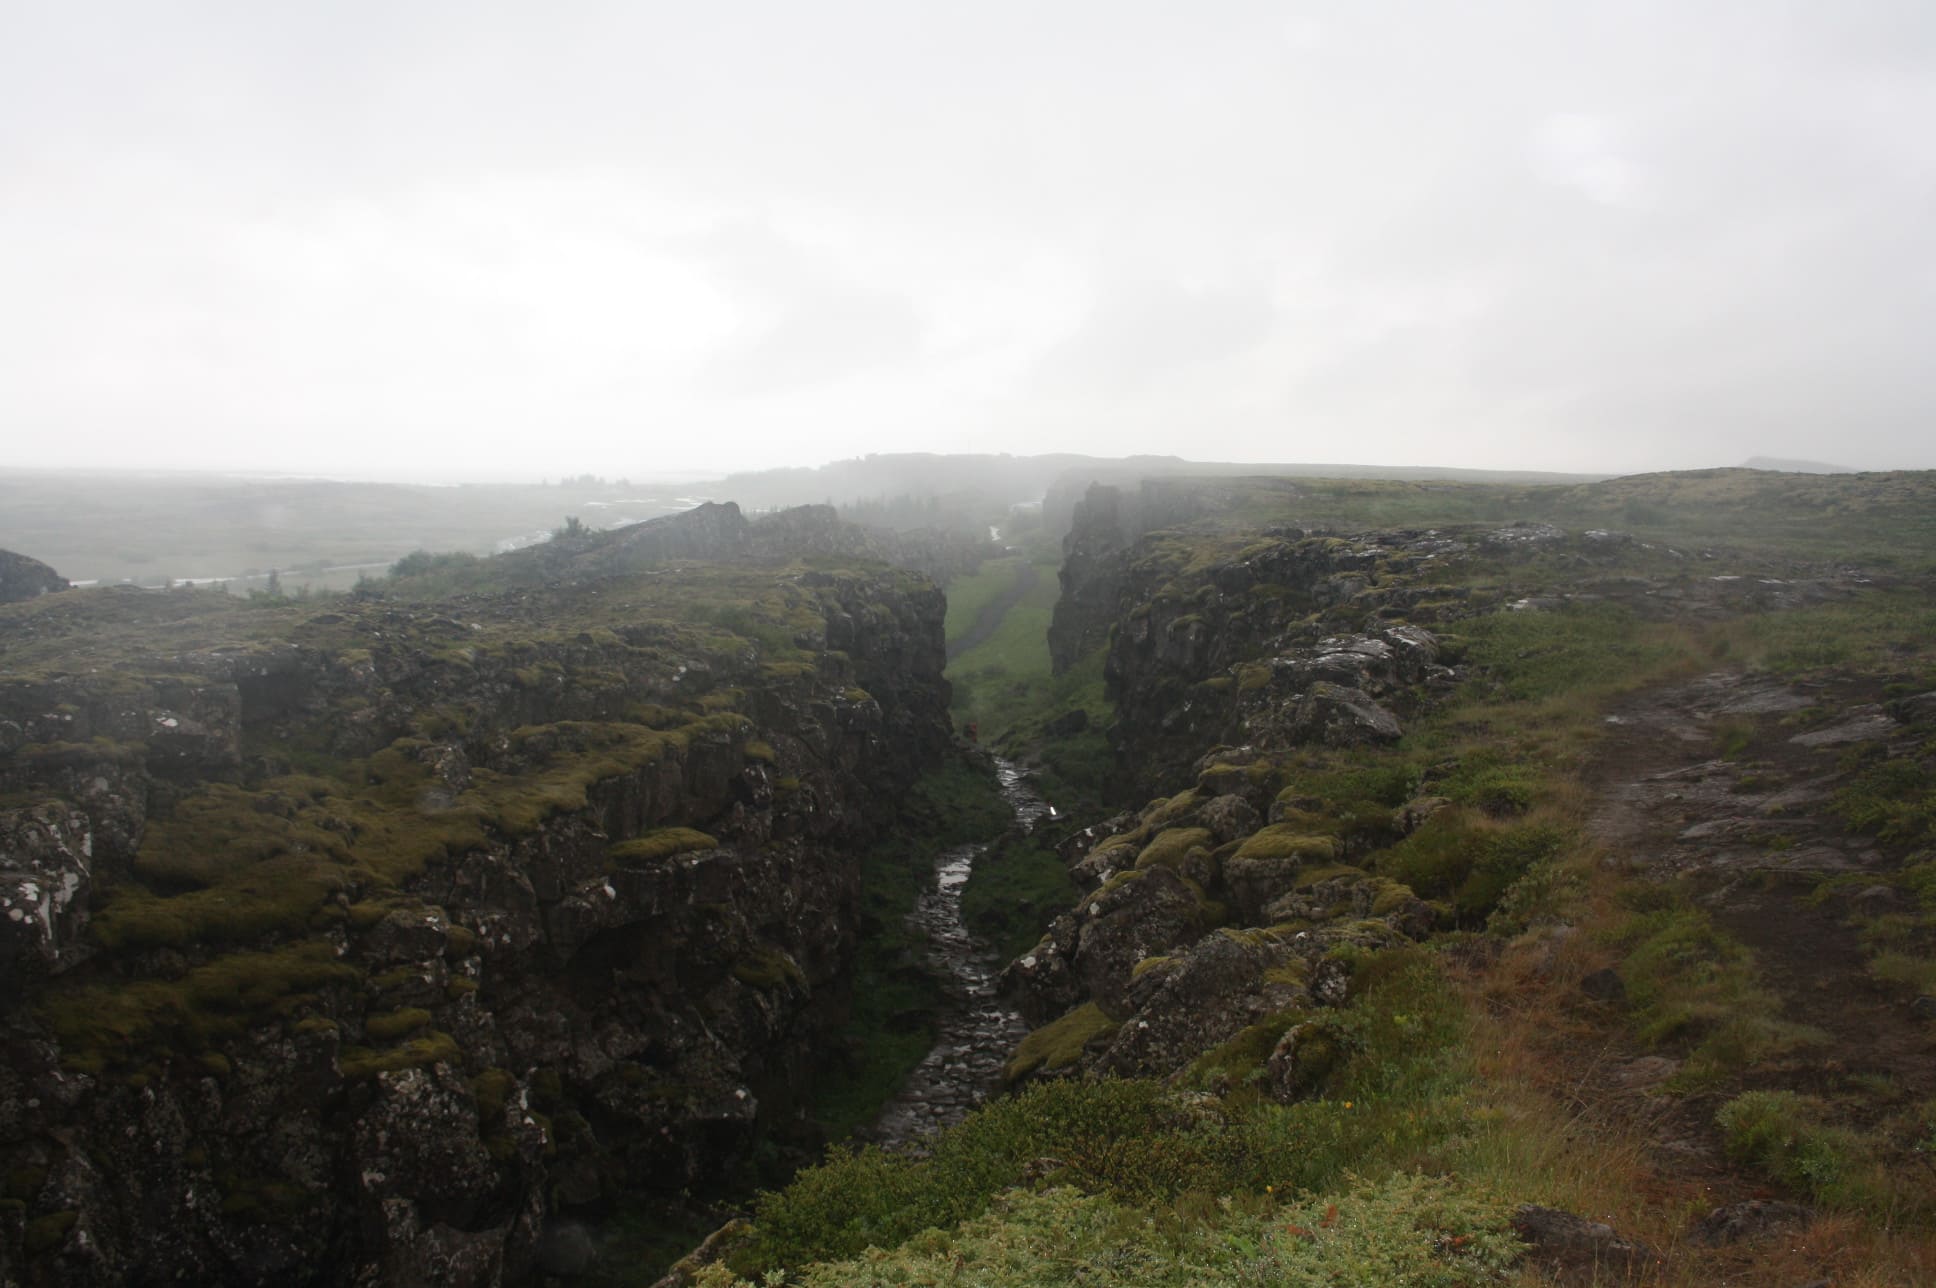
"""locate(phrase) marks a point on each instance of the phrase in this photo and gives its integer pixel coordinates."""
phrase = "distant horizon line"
(683, 478)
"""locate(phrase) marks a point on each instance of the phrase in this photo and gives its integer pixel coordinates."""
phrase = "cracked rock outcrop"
(367, 941)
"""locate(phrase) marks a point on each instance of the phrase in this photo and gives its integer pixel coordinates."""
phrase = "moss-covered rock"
(1058, 1045)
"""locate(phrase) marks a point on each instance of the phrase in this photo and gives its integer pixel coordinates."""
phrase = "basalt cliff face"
(1105, 527)
(1259, 675)
(1215, 630)
(377, 941)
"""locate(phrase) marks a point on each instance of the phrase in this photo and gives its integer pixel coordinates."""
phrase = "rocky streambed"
(979, 1029)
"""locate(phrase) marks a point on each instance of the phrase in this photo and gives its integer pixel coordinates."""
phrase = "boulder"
(1145, 914)
(22, 578)
(1092, 951)
(1228, 981)
(1229, 817)
(1301, 1061)
(1067, 724)
(1342, 717)
(1742, 1222)
(1604, 985)
(1562, 1239)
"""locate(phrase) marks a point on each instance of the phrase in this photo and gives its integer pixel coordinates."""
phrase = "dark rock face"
(608, 973)
(1091, 576)
(1215, 639)
(22, 578)
(1105, 526)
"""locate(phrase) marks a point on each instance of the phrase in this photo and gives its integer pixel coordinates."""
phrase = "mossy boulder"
(1286, 841)
(1228, 817)
(1057, 1046)
(1305, 1057)
(1186, 850)
(1226, 981)
(1267, 865)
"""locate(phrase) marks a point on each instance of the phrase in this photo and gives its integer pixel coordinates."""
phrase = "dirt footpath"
(1725, 782)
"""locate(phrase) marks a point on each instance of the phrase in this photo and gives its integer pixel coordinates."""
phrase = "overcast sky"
(448, 239)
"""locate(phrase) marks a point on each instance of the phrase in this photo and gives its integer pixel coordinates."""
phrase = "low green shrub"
(1468, 860)
(1401, 1229)
(1396, 1088)
(1894, 799)
(1783, 1134)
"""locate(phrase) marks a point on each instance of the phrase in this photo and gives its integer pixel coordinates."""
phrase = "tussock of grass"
(396, 1024)
(769, 969)
(1691, 984)
(433, 1048)
(1469, 859)
(661, 844)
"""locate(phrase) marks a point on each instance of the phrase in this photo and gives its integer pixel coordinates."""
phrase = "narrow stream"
(977, 1030)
